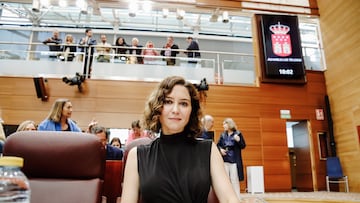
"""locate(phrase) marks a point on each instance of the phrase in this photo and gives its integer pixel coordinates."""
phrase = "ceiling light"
(180, 14)
(225, 17)
(165, 12)
(214, 16)
(36, 6)
(84, 8)
(63, 3)
(133, 8)
(146, 6)
(80, 3)
(45, 3)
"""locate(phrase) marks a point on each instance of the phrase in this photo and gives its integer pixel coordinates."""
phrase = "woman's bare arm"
(220, 180)
(130, 192)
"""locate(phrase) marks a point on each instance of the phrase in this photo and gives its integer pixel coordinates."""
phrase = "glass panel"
(310, 43)
(239, 71)
(15, 50)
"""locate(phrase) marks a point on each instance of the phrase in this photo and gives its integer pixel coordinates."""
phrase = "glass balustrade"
(216, 67)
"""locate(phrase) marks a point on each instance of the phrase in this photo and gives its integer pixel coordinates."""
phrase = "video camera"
(203, 86)
(76, 80)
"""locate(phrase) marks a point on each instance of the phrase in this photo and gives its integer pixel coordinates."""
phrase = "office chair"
(61, 166)
(334, 173)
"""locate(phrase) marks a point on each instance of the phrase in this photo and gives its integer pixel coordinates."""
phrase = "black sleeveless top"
(174, 169)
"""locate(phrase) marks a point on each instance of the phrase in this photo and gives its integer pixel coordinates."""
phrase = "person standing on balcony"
(54, 44)
(86, 44)
(170, 51)
(68, 49)
(193, 50)
(135, 50)
(103, 49)
(148, 52)
(121, 49)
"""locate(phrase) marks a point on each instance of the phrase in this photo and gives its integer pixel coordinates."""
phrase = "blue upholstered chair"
(334, 173)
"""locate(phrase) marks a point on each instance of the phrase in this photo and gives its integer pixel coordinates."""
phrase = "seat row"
(70, 166)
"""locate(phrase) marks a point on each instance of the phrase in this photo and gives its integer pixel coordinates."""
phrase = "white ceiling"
(114, 14)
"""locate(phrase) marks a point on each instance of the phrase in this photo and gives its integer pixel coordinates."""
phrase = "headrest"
(138, 142)
(135, 143)
(62, 155)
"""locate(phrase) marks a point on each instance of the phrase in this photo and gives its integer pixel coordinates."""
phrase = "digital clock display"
(280, 48)
(286, 72)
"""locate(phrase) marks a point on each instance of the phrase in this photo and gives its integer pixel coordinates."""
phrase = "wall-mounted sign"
(319, 114)
(285, 114)
(280, 47)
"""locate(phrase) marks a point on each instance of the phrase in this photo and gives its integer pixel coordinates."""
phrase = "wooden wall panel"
(277, 168)
(276, 153)
(115, 104)
(340, 26)
(274, 139)
(273, 124)
(277, 183)
(253, 152)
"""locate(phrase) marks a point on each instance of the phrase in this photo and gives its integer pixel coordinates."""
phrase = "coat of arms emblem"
(280, 40)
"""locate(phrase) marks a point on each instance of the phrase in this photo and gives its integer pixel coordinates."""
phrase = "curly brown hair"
(155, 103)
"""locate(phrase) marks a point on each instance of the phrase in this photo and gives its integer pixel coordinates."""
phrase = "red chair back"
(61, 166)
(113, 180)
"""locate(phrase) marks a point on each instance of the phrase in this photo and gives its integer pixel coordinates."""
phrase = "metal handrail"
(210, 59)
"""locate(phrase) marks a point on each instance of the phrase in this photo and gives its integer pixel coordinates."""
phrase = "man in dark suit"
(170, 50)
(193, 50)
(86, 45)
(54, 43)
(112, 153)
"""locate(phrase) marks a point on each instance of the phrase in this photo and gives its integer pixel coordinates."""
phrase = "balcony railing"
(217, 67)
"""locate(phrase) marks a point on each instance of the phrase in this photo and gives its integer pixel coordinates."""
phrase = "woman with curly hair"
(176, 167)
